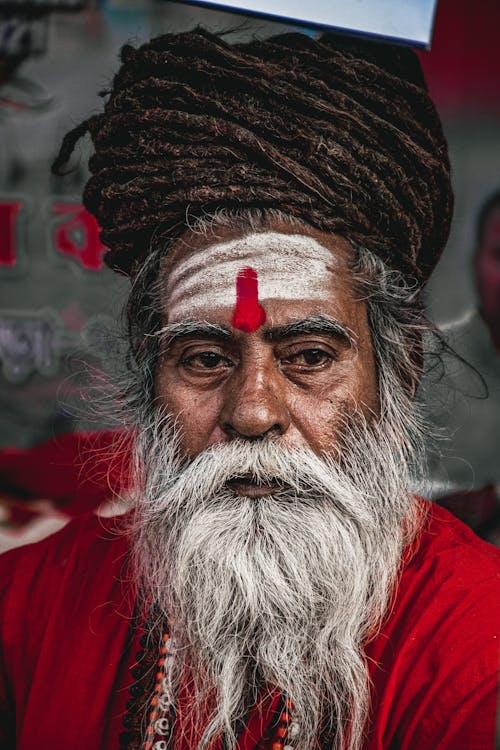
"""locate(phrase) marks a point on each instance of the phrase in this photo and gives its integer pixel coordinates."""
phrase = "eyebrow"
(323, 324)
(204, 329)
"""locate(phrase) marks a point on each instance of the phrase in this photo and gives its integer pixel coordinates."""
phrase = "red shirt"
(68, 644)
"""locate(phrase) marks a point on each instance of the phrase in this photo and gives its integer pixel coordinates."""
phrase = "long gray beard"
(283, 590)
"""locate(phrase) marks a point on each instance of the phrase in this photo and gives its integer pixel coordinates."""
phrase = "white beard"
(281, 590)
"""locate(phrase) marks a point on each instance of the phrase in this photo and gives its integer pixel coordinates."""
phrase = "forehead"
(289, 266)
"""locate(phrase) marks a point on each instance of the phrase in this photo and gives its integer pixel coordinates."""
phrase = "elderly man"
(278, 206)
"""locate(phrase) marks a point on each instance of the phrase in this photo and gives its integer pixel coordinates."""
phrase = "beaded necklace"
(162, 712)
(161, 709)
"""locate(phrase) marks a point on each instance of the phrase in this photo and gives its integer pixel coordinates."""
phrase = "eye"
(309, 358)
(206, 361)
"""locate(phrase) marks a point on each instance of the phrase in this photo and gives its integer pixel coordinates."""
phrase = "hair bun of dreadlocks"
(341, 134)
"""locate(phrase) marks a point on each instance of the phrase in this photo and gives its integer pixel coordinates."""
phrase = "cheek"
(321, 423)
(322, 418)
(195, 415)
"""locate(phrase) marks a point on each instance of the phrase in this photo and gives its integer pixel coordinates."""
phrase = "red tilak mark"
(248, 314)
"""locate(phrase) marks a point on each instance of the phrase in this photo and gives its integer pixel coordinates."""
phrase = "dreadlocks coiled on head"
(338, 133)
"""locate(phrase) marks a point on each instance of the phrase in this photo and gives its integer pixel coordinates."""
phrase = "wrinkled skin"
(300, 389)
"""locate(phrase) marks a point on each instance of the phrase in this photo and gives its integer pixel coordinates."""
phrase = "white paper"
(409, 21)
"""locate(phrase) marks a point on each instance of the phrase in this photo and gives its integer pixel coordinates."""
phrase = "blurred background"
(60, 307)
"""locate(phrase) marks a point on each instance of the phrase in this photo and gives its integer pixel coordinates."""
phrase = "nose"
(254, 404)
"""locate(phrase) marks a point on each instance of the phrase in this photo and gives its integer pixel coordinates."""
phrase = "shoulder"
(452, 581)
(62, 599)
(439, 648)
(76, 544)
(452, 585)
(448, 557)
(87, 554)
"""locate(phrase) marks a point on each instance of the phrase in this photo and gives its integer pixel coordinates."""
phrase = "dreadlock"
(338, 133)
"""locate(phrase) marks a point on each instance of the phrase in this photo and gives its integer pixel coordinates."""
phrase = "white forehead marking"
(289, 266)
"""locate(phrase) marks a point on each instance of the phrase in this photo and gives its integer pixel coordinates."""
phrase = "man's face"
(299, 374)
(488, 274)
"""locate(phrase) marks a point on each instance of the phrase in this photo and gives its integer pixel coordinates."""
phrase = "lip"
(247, 487)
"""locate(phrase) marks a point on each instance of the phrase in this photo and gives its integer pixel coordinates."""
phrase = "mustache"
(299, 474)
(262, 463)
